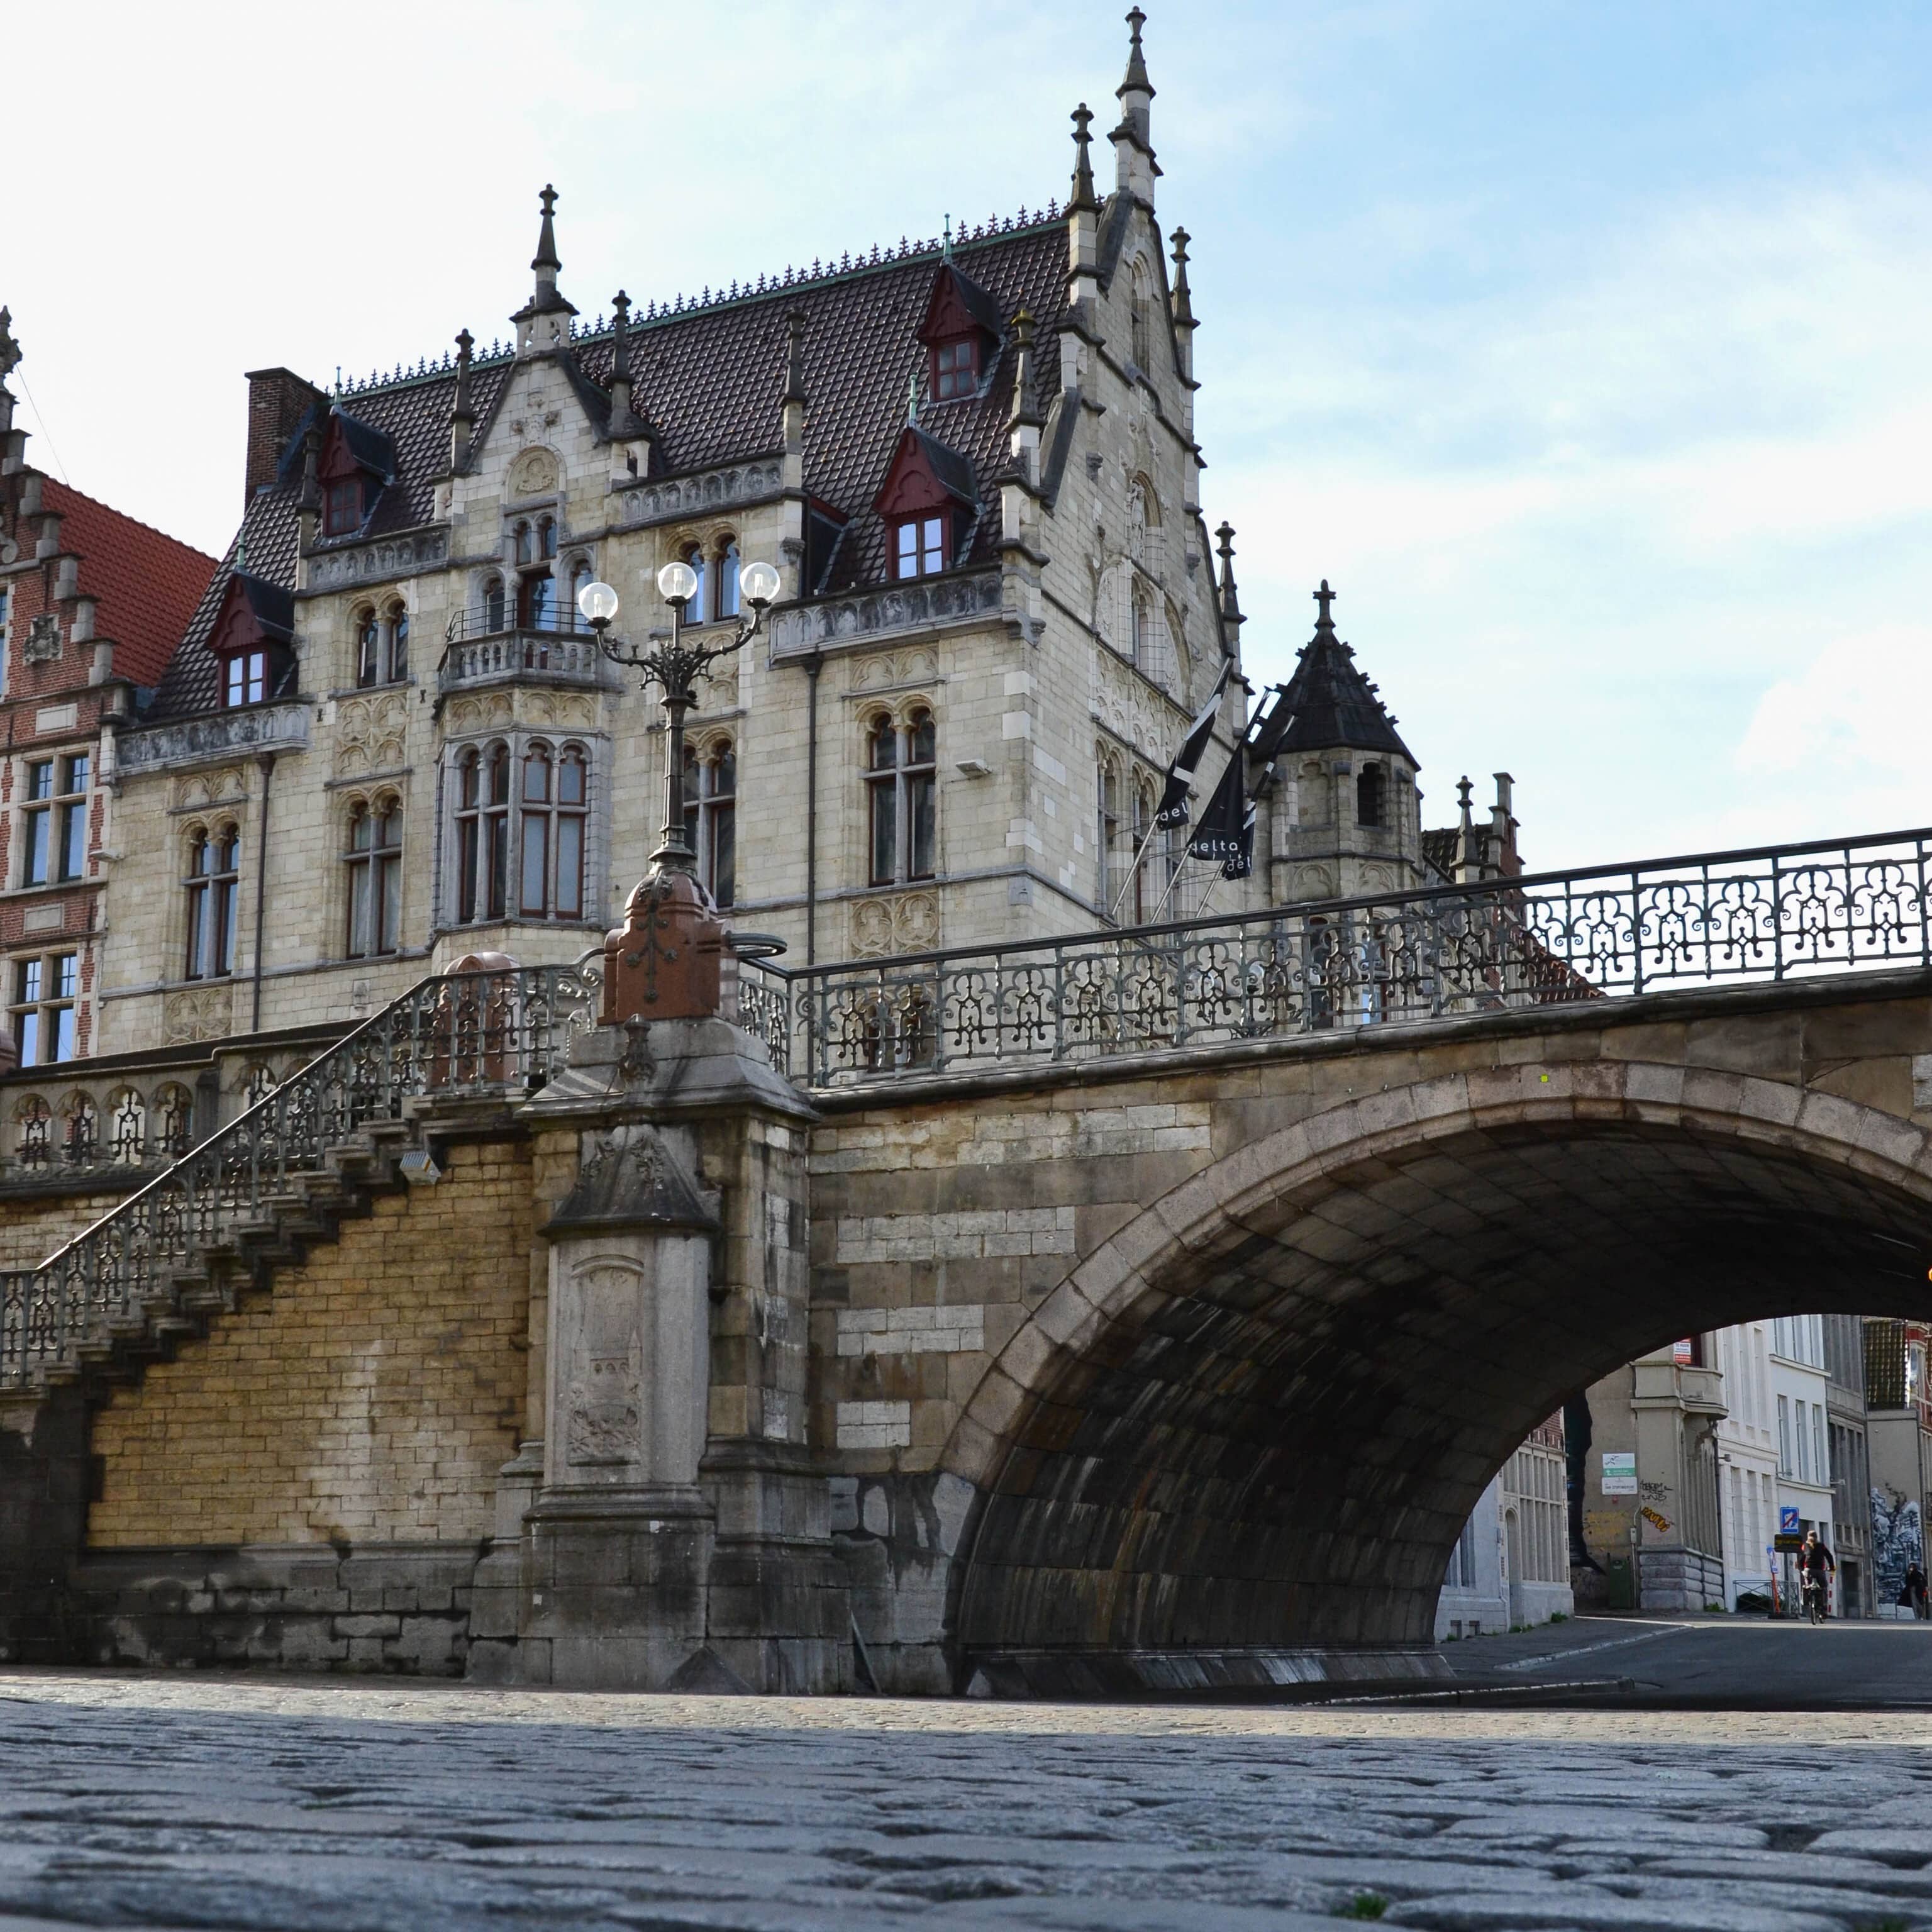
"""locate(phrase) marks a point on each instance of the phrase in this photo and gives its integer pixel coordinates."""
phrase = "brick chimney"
(277, 399)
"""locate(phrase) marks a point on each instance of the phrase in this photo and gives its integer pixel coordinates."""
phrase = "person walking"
(1816, 1569)
(1914, 1596)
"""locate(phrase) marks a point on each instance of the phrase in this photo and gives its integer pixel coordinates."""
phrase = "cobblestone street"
(343, 1806)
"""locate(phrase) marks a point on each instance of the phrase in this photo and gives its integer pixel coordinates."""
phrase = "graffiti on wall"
(1898, 1540)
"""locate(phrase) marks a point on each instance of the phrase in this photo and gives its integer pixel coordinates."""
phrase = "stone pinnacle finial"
(1230, 604)
(465, 345)
(546, 257)
(620, 359)
(1325, 597)
(912, 400)
(1135, 80)
(946, 240)
(1026, 403)
(1184, 298)
(1083, 195)
(10, 348)
(794, 388)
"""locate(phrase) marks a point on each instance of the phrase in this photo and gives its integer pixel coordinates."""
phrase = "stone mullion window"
(213, 879)
(522, 823)
(902, 802)
(374, 860)
(711, 816)
(45, 991)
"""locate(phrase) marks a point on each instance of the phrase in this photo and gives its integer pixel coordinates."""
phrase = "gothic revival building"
(385, 739)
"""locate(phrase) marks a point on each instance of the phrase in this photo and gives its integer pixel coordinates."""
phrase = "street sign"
(1620, 1472)
(1787, 1540)
(1787, 1520)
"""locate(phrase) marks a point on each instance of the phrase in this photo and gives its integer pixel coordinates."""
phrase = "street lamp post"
(674, 664)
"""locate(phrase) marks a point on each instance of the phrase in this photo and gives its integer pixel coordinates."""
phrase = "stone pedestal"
(680, 1537)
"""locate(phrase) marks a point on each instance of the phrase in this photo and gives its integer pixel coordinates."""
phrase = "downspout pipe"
(813, 664)
(267, 762)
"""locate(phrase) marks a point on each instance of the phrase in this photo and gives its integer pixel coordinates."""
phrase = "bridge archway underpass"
(1259, 1415)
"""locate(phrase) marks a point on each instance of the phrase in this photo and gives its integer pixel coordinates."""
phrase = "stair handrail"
(461, 1034)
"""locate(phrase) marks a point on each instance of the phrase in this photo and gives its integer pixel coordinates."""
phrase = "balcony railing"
(1720, 919)
(481, 650)
(453, 1037)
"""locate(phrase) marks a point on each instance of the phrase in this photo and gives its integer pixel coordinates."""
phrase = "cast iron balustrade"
(1549, 939)
(453, 1037)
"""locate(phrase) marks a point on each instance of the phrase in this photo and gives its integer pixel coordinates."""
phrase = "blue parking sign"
(1787, 1520)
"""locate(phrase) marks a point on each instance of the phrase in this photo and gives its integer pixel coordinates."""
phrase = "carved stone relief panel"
(899, 923)
(371, 734)
(882, 670)
(193, 791)
(197, 1012)
(605, 1414)
(534, 473)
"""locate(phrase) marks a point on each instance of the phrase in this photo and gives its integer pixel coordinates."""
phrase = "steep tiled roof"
(710, 379)
(1438, 850)
(145, 585)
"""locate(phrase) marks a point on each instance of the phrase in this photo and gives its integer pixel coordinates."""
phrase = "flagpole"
(1173, 880)
(1133, 872)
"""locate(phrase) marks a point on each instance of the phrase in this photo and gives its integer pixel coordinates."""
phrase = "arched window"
(368, 648)
(527, 544)
(547, 536)
(1142, 331)
(554, 800)
(537, 601)
(493, 603)
(901, 777)
(1147, 891)
(727, 585)
(577, 581)
(383, 646)
(213, 874)
(482, 833)
(1370, 796)
(375, 863)
(710, 816)
(1108, 832)
(697, 605)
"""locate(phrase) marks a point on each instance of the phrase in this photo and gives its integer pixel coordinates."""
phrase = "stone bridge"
(1133, 1308)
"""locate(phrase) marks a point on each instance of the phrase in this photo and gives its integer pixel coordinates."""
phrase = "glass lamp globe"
(760, 583)
(677, 582)
(598, 604)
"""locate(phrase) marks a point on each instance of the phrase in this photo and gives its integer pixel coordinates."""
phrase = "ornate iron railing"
(452, 1037)
(1549, 939)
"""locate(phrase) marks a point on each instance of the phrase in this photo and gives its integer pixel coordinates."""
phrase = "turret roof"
(1333, 704)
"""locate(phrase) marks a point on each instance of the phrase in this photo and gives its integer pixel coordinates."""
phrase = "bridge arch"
(1259, 1412)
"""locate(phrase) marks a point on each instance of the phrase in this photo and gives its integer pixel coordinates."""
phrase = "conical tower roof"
(1332, 703)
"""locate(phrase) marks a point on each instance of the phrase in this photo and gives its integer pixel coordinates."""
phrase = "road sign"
(1620, 1472)
(1787, 1540)
(1787, 1520)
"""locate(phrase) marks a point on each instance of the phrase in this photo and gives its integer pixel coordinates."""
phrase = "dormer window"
(956, 369)
(342, 509)
(247, 679)
(920, 547)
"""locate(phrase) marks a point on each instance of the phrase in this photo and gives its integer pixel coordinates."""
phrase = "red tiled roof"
(145, 586)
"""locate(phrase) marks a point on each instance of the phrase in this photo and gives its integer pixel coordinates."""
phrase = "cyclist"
(1816, 1569)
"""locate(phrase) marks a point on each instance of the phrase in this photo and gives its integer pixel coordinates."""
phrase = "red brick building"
(91, 603)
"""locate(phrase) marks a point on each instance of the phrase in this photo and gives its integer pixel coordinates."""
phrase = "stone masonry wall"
(372, 1396)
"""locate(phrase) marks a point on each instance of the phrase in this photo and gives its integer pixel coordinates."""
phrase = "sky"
(1581, 349)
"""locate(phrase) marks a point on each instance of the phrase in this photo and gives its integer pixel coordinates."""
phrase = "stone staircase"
(220, 1223)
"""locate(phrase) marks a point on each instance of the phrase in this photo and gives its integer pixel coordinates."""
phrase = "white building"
(1747, 1459)
(1800, 1395)
(1510, 1566)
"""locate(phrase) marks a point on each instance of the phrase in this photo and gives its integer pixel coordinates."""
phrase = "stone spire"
(308, 499)
(10, 360)
(794, 388)
(462, 408)
(1182, 306)
(620, 362)
(1082, 195)
(791, 422)
(1134, 164)
(1025, 412)
(543, 323)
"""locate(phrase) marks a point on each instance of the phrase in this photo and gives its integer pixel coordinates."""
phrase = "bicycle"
(1817, 1608)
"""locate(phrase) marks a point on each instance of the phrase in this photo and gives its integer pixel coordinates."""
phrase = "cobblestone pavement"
(342, 1806)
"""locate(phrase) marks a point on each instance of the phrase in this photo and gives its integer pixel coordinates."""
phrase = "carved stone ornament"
(43, 639)
(371, 734)
(630, 1178)
(903, 922)
(606, 1394)
(534, 473)
(199, 1013)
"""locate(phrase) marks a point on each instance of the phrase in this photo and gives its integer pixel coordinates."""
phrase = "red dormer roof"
(925, 475)
(958, 306)
(145, 586)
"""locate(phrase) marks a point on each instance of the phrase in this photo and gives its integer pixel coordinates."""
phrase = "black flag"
(1219, 834)
(1241, 863)
(1187, 761)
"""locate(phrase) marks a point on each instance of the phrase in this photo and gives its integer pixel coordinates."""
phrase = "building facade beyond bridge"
(1144, 1308)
